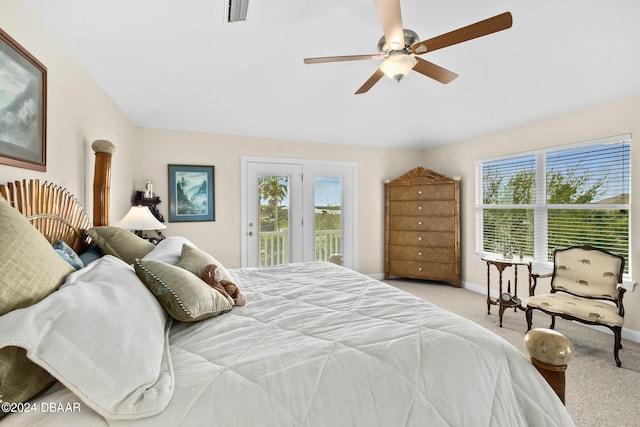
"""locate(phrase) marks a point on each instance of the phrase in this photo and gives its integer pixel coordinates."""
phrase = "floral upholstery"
(585, 286)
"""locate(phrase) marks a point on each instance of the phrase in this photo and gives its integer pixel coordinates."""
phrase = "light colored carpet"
(598, 394)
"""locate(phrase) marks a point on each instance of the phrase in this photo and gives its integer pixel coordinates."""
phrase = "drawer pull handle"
(420, 253)
(419, 268)
(419, 191)
(419, 208)
(419, 222)
(419, 238)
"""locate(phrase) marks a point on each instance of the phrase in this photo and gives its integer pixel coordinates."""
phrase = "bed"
(316, 344)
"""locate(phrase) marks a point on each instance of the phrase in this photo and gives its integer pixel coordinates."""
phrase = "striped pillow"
(183, 295)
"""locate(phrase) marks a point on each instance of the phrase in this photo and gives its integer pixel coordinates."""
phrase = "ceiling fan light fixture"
(397, 66)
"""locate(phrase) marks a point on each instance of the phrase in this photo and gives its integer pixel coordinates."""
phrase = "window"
(555, 198)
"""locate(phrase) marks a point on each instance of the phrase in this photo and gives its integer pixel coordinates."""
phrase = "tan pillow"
(30, 269)
(182, 294)
(194, 260)
(120, 243)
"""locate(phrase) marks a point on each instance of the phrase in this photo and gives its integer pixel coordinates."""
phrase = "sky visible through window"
(328, 191)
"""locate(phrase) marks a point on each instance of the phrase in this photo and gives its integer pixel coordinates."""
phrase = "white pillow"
(168, 250)
(102, 335)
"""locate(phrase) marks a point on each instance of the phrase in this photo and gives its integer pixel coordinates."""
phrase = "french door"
(297, 210)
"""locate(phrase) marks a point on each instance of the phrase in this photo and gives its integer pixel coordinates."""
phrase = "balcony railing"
(328, 242)
(274, 246)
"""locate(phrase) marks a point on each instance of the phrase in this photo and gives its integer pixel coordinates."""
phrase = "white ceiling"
(179, 65)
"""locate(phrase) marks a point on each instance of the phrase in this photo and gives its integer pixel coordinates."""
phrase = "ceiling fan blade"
(479, 29)
(342, 58)
(391, 20)
(370, 82)
(434, 71)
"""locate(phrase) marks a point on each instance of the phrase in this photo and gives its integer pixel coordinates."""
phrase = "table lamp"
(139, 219)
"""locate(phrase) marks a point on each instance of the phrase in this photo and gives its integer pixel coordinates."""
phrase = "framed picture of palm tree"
(191, 193)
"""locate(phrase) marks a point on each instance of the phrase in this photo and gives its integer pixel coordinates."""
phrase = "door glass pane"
(273, 220)
(328, 217)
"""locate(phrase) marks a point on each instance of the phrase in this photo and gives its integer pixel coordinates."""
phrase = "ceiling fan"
(399, 46)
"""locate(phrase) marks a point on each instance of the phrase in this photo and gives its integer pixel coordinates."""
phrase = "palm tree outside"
(273, 190)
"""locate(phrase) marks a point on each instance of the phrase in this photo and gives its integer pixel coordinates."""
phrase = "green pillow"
(20, 378)
(182, 294)
(120, 243)
(194, 260)
(30, 269)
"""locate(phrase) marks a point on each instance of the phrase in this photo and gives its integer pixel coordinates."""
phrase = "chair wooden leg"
(553, 322)
(617, 332)
(529, 318)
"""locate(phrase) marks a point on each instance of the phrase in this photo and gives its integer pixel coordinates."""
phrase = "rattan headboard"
(54, 211)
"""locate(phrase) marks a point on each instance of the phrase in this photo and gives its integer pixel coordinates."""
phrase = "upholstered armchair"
(586, 286)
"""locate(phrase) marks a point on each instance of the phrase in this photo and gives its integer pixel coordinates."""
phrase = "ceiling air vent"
(237, 10)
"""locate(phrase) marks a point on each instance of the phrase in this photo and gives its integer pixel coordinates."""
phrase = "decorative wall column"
(102, 181)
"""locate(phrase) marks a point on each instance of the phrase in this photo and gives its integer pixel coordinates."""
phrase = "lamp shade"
(140, 218)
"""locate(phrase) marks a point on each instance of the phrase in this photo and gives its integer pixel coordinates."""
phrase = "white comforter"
(320, 345)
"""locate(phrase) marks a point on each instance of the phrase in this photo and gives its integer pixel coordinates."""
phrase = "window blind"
(554, 198)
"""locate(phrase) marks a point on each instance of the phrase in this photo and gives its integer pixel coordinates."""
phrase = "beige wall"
(607, 120)
(222, 237)
(78, 113)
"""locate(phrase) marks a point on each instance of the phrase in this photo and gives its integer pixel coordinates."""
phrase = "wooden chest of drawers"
(422, 227)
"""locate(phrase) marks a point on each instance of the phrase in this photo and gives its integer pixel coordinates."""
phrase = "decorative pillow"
(91, 254)
(184, 295)
(120, 243)
(168, 250)
(194, 260)
(102, 335)
(68, 254)
(20, 378)
(30, 270)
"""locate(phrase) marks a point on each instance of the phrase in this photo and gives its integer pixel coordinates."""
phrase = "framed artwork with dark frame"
(191, 193)
(23, 107)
